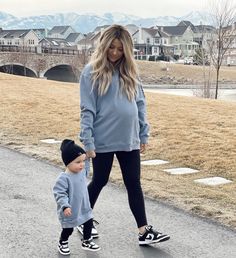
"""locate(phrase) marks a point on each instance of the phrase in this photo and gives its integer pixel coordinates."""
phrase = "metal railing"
(39, 50)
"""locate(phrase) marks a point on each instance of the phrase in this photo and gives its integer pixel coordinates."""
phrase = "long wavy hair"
(103, 69)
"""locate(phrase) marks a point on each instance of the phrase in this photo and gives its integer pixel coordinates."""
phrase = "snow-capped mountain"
(85, 23)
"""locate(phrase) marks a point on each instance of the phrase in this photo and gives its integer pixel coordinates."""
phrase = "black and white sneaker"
(90, 245)
(151, 236)
(63, 247)
(94, 233)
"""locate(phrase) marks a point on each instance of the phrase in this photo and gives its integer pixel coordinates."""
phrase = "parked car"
(188, 61)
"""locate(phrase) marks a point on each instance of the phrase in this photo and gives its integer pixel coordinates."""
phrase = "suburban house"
(230, 41)
(56, 46)
(146, 43)
(87, 44)
(74, 38)
(202, 34)
(155, 43)
(19, 38)
(181, 38)
(60, 32)
(42, 33)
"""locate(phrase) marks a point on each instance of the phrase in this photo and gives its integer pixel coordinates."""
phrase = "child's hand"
(90, 154)
(143, 147)
(67, 212)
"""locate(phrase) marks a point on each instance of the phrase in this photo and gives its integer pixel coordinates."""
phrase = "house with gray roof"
(181, 37)
(89, 42)
(230, 45)
(146, 43)
(61, 32)
(19, 38)
(42, 33)
(57, 46)
(75, 37)
(151, 42)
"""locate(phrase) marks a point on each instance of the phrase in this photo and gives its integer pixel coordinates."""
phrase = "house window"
(155, 50)
(148, 41)
(9, 42)
(17, 42)
(156, 40)
(31, 41)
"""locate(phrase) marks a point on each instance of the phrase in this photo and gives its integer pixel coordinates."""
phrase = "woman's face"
(115, 51)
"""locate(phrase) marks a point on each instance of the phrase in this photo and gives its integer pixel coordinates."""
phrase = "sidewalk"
(29, 225)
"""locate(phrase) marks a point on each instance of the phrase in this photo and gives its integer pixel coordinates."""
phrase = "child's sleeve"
(61, 193)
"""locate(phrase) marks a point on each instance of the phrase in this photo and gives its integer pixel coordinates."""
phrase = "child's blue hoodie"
(70, 191)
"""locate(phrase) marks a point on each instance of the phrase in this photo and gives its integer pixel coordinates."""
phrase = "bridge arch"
(61, 72)
(17, 69)
(60, 67)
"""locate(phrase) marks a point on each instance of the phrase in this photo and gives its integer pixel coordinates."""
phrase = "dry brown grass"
(179, 72)
(186, 131)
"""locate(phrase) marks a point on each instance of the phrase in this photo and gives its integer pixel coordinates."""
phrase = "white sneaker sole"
(59, 250)
(149, 242)
(92, 250)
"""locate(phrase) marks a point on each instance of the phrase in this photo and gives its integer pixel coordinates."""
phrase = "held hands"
(67, 212)
(143, 147)
(90, 154)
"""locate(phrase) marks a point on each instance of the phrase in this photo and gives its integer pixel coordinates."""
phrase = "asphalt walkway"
(29, 225)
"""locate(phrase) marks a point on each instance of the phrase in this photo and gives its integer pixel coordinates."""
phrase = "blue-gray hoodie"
(111, 122)
(70, 190)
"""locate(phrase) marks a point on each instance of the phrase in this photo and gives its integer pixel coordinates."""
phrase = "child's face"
(77, 164)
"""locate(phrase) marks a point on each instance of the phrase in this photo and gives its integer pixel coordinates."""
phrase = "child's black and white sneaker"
(63, 247)
(151, 236)
(90, 245)
(94, 233)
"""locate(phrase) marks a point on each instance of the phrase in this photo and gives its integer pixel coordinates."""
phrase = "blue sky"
(143, 8)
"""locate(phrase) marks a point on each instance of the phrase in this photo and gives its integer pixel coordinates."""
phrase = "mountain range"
(85, 23)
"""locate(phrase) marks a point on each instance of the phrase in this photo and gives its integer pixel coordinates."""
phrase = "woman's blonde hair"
(103, 69)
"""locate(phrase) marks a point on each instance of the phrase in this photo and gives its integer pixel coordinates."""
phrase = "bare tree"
(201, 58)
(223, 14)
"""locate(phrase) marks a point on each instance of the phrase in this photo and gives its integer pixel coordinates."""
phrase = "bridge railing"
(39, 50)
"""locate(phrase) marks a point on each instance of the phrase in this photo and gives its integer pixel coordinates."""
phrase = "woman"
(113, 121)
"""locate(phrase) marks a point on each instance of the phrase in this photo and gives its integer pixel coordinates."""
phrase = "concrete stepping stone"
(154, 162)
(213, 181)
(50, 141)
(180, 171)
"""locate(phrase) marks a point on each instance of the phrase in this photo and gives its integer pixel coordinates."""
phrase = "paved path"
(29, 226)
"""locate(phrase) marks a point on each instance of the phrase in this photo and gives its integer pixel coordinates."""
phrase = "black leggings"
(130, 168)
(66, 232)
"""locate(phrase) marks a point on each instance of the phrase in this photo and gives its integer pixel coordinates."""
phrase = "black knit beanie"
(70, 151)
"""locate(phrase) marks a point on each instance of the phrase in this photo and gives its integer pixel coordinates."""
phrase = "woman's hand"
(143, 147)
(67, 212)
(90, 154)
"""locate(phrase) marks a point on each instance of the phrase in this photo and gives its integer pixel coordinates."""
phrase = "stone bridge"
(42, 65)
